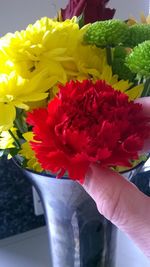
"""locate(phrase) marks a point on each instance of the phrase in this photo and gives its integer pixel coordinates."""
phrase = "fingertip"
(99, 177)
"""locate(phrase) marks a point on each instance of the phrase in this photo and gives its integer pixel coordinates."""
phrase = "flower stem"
(109, 55)
(146, 91)
(19, 122)
(15, 139)
(18, 125)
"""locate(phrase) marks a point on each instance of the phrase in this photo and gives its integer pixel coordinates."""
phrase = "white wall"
(126, 8)
(17, 14)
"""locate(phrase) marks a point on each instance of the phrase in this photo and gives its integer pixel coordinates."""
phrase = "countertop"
(31, 250)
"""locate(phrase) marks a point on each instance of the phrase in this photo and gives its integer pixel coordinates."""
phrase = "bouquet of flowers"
(68, 87)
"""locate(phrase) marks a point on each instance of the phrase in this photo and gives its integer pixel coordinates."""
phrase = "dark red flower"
(92, 10)
(88, 122)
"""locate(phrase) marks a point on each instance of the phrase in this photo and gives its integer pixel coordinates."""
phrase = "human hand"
(120, 201)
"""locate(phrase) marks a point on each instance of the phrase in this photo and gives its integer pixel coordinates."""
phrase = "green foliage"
(80, 21)
(120, 52)
(118, 65)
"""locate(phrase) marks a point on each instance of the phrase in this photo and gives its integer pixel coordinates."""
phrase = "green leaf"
(13, 151)
(80, 20)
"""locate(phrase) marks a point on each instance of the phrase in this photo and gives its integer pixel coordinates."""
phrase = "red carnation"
(92, 10)
(87, 122)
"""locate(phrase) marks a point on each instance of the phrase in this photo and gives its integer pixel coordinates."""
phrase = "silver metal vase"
(78, 235)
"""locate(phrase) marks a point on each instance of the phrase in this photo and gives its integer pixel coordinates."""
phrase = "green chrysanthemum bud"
(118, 64)
(107, 33)
(138, 33)
(139, 59)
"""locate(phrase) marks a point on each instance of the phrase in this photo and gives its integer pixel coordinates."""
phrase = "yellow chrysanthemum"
(29, 154)
(143, 19)
(45, 44)
(17, 92)
(90, 60)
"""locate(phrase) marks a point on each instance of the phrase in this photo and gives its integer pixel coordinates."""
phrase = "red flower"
(87, 122)
(93, 10)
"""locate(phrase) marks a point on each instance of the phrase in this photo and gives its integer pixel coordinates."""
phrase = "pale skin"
(120, 201)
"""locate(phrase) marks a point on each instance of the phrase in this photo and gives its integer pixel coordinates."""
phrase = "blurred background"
(17, 14)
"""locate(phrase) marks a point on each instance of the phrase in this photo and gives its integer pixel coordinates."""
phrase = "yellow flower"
(29, 154)
(145, 20)
(6, 140)
(17, 92)
(45, 44)
(90, 60)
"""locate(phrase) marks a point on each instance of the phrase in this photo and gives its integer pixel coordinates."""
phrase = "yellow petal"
(131, 21)
(122, 85)
(34, 97)
(143, 18)
(107, 74)
(6, 140)
(135, 92)
(148, 19)
(9, 156)
(7, 116)
(28, 136)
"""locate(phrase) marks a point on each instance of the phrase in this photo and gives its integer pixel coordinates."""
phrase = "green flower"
(107, 33)
(139, 59)
(138, 33)
(118, 65)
